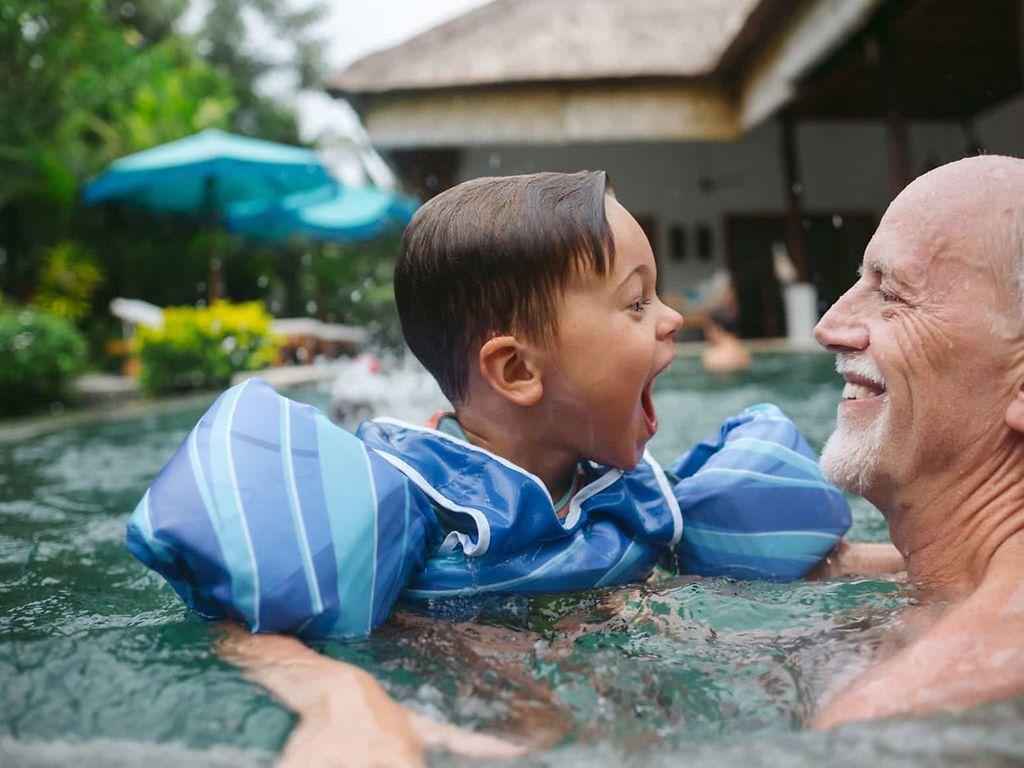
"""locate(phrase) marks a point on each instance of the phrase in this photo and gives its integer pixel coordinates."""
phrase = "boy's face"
(614, 337)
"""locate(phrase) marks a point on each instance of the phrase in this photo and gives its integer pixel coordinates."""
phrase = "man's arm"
(345, 717)
(852, 558)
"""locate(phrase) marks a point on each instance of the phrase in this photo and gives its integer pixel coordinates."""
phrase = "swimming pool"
(100, 664)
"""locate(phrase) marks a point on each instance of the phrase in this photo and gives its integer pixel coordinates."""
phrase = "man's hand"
(346, 718)
(859, 558)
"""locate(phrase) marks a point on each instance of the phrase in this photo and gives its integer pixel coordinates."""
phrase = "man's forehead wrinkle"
(895, 254)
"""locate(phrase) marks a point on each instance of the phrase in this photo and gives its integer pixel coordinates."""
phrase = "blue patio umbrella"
(206, 173)
(334, 213)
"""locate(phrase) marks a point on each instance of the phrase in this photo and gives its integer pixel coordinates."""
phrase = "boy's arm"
(859, 558)
(345, 717)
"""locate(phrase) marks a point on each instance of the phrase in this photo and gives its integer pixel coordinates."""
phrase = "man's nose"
(841, 329)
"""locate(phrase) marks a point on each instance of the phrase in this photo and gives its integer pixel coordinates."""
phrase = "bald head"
(968, 214)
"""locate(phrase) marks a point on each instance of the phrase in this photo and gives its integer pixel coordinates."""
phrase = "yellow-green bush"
(68, 282)
(204, 346)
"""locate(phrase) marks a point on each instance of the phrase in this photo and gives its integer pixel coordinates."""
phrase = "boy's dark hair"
(492, 256)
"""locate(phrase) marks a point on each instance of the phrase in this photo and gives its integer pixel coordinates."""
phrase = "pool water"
(101, 665)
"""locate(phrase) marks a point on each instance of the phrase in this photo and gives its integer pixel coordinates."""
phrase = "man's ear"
(1015, 411)
(511, 370)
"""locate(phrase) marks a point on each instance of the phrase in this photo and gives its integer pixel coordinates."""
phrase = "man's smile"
(865, 385)
(860, 388)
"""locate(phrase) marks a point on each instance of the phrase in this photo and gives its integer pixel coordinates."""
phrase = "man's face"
(614, 337)
(927, 340)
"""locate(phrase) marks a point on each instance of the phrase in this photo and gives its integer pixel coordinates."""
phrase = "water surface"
(101, 665)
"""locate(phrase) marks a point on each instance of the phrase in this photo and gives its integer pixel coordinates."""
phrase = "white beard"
(850, 457)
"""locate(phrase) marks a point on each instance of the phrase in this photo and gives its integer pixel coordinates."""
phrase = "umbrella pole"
(214, 287)
(213, 292)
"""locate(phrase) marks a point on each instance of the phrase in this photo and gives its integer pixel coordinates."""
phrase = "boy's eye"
(639, 305)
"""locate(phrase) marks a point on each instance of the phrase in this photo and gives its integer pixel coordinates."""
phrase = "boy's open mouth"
(647, 401)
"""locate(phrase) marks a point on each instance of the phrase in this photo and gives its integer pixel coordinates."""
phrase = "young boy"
(532, 301)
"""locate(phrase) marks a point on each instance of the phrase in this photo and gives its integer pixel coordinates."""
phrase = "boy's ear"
(507, 365)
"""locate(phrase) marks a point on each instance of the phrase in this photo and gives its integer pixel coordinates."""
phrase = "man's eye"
(888, 296)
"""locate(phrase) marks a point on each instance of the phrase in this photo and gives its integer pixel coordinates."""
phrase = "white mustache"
(859, 365)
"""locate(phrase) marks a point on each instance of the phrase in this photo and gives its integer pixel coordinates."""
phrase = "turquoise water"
(101, 665)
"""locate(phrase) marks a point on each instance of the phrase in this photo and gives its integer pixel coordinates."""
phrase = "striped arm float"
(272, 515)
(755, 504)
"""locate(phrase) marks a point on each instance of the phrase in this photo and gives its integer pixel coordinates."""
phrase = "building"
(732, 129)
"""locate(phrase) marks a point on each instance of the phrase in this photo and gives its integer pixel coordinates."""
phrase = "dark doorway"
(835, 245)
(748, 242)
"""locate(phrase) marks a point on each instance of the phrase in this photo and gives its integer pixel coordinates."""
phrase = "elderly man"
(930, 341)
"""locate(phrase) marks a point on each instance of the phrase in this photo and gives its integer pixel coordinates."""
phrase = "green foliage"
(225, 25)
(67, 283)
(83, 82)
(87, 87)
(203, 347)
(39, 355)
(80, 85)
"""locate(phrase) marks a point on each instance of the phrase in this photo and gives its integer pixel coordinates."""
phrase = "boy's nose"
(671, 321)
(840, 329)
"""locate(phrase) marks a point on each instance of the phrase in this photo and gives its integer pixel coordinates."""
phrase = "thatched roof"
(529, 41)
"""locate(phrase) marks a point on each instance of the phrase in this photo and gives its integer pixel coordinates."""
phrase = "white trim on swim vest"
(584, 493)
(465, 444)
(376, 516)
(670, 498)
(238, 502)
(483, 527)
(575, 502)
(296, 509)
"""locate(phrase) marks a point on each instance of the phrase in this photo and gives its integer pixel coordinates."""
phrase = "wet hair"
(493, 256)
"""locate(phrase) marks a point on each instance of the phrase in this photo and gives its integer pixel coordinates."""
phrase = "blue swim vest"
(272, 515)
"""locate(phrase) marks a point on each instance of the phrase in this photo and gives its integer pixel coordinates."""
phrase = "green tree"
(81, 84)
(221, 39)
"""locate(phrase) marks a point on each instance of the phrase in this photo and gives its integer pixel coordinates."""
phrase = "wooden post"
(794, 197)
(897, 138)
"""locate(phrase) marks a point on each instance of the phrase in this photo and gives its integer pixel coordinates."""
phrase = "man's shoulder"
(972, 651)
(968, 657)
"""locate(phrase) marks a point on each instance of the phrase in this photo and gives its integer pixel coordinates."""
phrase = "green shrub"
(203, 347)
(39, 355)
